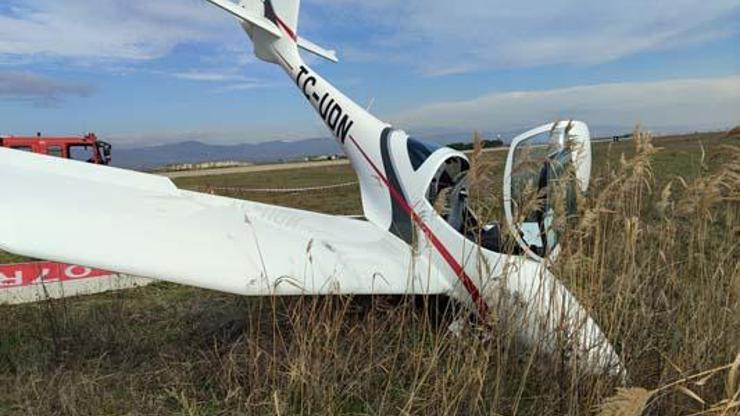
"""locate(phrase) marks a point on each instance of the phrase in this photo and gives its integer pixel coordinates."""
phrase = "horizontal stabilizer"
(248, 16)
(315, 49)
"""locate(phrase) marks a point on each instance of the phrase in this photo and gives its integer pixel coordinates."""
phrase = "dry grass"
(654, 257)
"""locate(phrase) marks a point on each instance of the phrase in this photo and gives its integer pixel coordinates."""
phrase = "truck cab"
(86, 148)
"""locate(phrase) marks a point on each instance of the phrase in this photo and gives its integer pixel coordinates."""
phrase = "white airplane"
(143, 225)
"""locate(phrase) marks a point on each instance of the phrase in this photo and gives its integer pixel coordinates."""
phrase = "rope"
(275, 190)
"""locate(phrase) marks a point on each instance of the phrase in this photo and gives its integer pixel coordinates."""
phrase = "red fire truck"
(86, 148)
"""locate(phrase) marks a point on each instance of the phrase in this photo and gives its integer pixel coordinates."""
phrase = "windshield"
(105, 151)
(419, 151)
(81, 153)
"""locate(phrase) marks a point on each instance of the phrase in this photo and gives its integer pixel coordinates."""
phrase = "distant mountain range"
(151, 157)
(146, 158)
(196, 152)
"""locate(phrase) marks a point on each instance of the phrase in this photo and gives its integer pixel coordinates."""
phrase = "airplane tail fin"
(284, 12)
(273, 27)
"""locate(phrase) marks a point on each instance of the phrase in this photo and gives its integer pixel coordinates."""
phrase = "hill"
(195, 152)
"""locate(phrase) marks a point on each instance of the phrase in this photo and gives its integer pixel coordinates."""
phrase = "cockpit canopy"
(545, 168)
(419, 151)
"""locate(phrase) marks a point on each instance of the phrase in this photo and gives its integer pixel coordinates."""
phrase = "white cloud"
(246, 85)
(207, 76)
(674, 105)
(131, 29)
(442, 36)
(435, 36)
(662, 106)
(227, 81)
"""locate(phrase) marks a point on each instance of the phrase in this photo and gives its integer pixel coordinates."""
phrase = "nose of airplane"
(546, 315)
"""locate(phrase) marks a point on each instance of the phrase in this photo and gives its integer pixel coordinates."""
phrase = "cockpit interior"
(448, 194)
(536, 164)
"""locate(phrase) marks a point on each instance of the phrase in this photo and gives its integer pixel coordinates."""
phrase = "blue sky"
(143, 72)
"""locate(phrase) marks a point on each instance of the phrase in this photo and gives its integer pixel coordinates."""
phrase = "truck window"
(23, 148)
(54, 151)
(81, 153)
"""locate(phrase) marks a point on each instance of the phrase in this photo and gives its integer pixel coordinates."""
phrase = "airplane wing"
(142, 225)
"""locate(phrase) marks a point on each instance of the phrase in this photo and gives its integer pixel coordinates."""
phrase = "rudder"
(285, 14)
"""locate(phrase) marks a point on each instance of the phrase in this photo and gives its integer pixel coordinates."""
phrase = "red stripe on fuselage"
(454, 264)
(286, 28)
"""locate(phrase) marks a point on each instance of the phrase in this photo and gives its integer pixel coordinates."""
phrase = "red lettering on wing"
(29, 274)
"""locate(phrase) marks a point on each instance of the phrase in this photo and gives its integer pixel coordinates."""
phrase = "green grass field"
(656, 264)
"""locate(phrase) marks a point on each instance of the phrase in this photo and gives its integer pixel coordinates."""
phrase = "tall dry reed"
(653, 258)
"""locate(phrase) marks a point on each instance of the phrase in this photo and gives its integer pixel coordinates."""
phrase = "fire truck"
(84, 148)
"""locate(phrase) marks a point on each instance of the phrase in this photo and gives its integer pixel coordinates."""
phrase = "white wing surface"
(140, 224)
